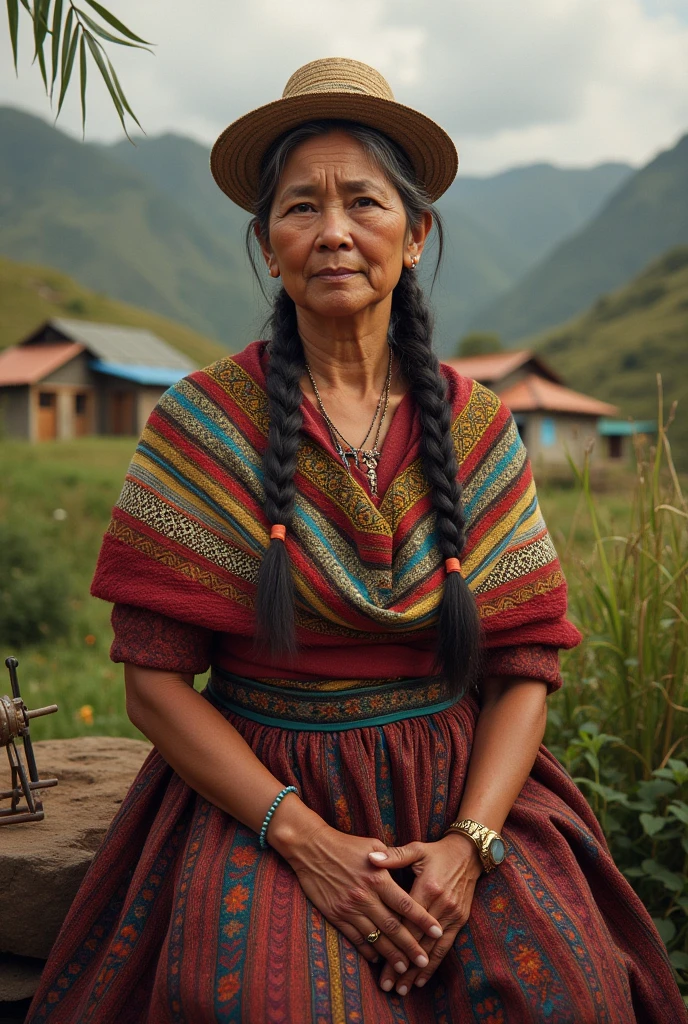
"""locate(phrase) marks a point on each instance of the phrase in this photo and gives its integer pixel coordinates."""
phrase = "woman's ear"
(268, 254)
(416, 241)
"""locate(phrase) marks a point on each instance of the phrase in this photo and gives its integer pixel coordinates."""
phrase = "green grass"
(72, 670)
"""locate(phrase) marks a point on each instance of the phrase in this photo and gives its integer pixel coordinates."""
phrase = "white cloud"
(571, 81)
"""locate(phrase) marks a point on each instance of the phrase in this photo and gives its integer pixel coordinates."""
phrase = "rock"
(19, 977)
(42, 863)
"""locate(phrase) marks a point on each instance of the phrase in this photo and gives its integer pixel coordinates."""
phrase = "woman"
(355, 820)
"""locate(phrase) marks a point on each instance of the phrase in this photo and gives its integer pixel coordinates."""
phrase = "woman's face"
(338, 232)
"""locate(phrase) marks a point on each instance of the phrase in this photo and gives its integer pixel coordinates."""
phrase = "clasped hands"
(348, 879)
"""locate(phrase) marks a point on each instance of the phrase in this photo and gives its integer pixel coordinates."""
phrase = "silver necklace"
(369, 456)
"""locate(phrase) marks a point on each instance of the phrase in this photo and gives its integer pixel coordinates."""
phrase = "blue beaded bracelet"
(268, 816)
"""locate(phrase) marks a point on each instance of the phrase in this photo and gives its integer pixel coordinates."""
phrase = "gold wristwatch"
(491, 846)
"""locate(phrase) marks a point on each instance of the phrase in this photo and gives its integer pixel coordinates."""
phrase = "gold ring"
(374, 936)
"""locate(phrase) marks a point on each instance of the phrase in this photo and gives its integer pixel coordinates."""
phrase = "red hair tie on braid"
(278, 532)
(452, 565)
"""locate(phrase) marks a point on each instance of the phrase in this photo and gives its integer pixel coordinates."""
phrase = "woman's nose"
(334, 230)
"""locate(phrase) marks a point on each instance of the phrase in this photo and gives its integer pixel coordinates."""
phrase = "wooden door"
(122, 412)
(47, 415)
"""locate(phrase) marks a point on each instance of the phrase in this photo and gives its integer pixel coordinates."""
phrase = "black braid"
(458, 647)
(275, 598)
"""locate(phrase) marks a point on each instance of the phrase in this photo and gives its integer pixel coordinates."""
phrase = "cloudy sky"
(574, 82)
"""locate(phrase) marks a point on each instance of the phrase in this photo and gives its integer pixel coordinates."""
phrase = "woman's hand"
(446, 873)
(358, 897)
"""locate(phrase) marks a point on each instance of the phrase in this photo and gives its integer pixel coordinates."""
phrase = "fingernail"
(436, 932)
(400, 966)
(376, 960)
(378, 855)
(402, 990)
(420, 982)
(421, 961)
(387, 984)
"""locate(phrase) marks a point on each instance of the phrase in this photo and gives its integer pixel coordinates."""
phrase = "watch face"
(497, 851)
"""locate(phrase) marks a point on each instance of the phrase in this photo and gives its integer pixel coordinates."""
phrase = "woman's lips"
(332, 274)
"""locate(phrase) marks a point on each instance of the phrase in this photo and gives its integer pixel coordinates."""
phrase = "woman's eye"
(301, 208)
(365, 201)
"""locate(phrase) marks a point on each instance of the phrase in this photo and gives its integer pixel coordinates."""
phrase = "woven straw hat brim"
(236, 156)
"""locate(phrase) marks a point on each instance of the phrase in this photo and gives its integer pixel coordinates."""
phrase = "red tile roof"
(29, 364)
(535, 393)
(490, 369)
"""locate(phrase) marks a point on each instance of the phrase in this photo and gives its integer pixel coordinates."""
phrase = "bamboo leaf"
(122, 97)
(68, 52)
(100, 31)
(57, 29)
(82, 70)
(115, 22)
(102, 67)
(40, 29)
(13, 16)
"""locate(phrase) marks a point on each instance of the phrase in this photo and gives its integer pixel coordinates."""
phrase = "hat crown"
(337, 74)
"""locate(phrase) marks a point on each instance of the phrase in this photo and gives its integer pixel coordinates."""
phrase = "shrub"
(33, 588)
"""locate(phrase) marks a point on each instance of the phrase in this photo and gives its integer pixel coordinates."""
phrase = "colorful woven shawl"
(188, 532)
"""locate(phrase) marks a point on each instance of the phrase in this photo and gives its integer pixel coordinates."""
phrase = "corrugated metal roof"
(534, 393)
(154, 375)
(122, 345)
(490, 369)
(29, 364)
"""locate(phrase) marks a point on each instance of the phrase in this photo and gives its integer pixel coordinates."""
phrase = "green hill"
(30, 295)
(616, 349)
(71, 206)
(646, 217)
(539, 204)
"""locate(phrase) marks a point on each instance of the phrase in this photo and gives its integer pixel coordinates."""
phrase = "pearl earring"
(414, 261)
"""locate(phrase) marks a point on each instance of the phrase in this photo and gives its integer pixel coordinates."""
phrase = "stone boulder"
(42, 863)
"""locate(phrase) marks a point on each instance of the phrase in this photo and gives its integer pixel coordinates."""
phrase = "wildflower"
(86, 714)
(60, 514)
(89, 639)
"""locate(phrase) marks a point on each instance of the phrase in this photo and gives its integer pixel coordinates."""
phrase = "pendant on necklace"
(371, 459)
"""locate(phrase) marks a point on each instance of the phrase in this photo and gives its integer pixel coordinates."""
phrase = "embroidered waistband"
(329, 711)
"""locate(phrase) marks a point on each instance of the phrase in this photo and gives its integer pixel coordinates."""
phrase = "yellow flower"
(86, 714)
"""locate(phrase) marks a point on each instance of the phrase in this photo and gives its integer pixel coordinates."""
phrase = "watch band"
(491, 853)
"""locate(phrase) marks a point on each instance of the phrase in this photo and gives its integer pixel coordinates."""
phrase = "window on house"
(46, 399)
(548, 432)
(80, 405)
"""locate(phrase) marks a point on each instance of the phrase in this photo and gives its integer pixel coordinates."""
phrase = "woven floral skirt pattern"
(183, 919)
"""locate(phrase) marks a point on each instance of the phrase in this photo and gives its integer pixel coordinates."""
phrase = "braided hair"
(458, 644)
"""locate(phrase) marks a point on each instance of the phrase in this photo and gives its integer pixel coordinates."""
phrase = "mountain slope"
(540, 205)
(615, 350)
(73, 207)
(647, 216)
(29, 295)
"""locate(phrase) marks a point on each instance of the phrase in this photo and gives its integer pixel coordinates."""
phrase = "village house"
(554, 421)
(72, 378)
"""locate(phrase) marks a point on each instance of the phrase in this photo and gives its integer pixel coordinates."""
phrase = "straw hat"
(334, 87)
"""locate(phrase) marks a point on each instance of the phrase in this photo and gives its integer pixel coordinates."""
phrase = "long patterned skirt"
(183, 919)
